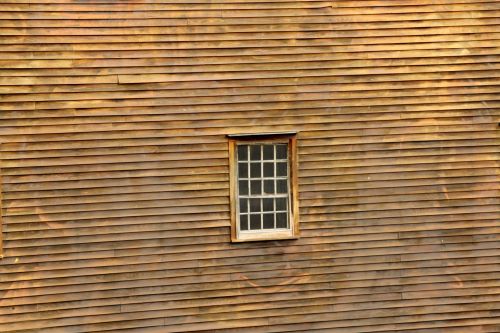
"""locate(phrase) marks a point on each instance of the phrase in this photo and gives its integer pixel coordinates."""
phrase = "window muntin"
(263, 188)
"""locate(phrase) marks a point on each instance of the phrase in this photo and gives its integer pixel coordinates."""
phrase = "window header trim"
(254, 136)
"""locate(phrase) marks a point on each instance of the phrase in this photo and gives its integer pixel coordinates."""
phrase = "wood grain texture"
(115, 168)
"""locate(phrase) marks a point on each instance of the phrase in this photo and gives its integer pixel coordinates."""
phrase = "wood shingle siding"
(115, 165)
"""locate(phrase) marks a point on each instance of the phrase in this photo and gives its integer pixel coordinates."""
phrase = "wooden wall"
(115, 165)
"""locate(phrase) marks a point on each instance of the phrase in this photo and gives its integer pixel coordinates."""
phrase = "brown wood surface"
(115, 172)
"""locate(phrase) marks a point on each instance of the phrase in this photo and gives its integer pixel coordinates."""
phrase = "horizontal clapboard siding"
(115, 172)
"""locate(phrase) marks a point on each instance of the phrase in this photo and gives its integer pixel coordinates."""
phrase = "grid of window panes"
(263, 174)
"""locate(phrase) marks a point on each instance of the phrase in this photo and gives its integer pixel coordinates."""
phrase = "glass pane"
(255, 205)
(243, 153)
(269, 186)
(268, 221)
(269, 152)
(243, 205)
(243, 222)
(281, 220)
(243, 187)
(268, 169)
(256, 187)
(268, 204)
(281, 203)
(282, 185)
(242, 170)
(255, 222)
(255, 152)
(281, 169)
(281, 152)
(255, 170)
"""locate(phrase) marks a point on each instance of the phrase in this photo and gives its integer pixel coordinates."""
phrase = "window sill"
(263, 237)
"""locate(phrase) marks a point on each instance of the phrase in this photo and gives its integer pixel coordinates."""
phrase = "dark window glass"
(255, 169)
(281, 169)
(281, 220)
(282, 185)
(281, 152)
(256, 187)
(269, 186)
(244, 222)
(268, 169)
(255, 222)
(268, 204)
(243, 187)
(243, 205)
(255, 205)
(281, 203)
(268, 221)
(255, 153)
(243, 170)
(268, 152)
(243, 153)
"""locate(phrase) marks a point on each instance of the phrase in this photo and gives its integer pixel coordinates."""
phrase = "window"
(263, 176)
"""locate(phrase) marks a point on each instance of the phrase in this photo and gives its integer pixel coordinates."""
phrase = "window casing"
(263, 178)
(1, 222)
